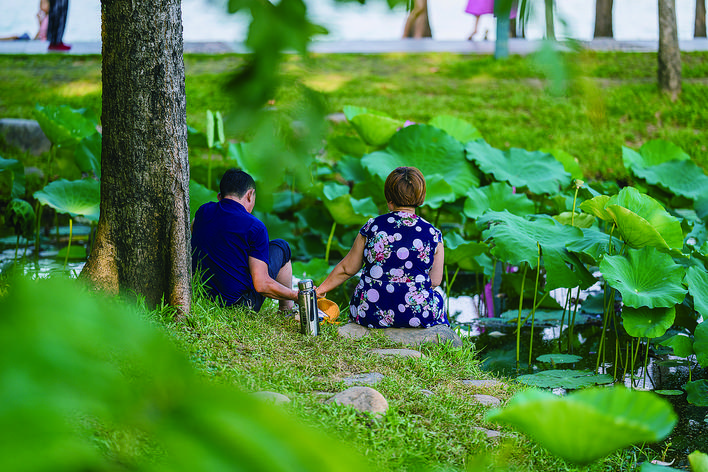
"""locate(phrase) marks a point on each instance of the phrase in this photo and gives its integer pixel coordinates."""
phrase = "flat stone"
(397, 352)
(427, 393)
(487, 400)
(273, 397)
(408, 336)
(25, 135)
(489, 432)
(364, 399)
(368, 378)
(482, 383)
(337, 117)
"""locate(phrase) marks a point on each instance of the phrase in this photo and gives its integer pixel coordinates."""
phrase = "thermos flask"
(309, 316)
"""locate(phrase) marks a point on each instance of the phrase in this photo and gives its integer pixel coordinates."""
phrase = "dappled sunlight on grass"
(79, 88)
(327, 82)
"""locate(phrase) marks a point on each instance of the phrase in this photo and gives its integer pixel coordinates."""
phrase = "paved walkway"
(516, 46)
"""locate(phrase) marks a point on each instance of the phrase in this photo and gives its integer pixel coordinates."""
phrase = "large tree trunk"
(603, 19)
(699, 30)
(417, 24)
(142, 244)
(669, 52)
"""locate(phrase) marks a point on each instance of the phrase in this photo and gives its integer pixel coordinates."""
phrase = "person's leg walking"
(57, 21)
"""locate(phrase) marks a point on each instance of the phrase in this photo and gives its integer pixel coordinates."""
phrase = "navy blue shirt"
(224, 236)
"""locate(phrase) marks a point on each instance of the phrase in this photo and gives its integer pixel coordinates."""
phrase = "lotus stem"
(572, 323)
(437, 216)
(38, 212)
(209, 171)
(329, 241)
(605, 317)
(68, 248)
(566, 306)
(578, 185)
(646, 362)
(533, 308)
(17, 247)
(518, 319)
(448, 288)
(626, 364)
(614, 374)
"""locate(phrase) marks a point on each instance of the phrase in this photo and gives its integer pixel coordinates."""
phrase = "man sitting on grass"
(240, 266)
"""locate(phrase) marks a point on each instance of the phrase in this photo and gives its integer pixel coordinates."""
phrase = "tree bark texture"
(417, 24)
(699, 30)
(603, 19)
(669, 73)
(143, 240)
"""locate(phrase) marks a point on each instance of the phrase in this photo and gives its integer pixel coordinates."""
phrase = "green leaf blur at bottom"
(699, 461)
(587, 425)
(70, 359)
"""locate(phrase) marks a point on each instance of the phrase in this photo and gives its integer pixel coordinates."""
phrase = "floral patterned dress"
(395, 290)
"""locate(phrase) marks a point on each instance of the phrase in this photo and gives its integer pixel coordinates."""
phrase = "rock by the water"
(482, 383)
(25, 135)
(397, 352)
(487, 400)
(337, 117)
(427, 393)
(369, 378)
(408, 336)
(363, 399)
(489, 432)
(274, 397)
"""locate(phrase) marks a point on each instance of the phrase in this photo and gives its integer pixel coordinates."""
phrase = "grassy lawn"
(591, 106)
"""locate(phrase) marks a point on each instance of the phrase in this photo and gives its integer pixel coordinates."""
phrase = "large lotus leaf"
(12, 176)
(596, 206)
(649, 467)
(700, 343)
(345, 209)
(351, 169)
(570, 163)
(698, 461)
(697, 392)
(88, 154)
(647, 322)
(198, 196)
(76, 198)
(642, 221)
(285, 200)
(565, 378)
(19, 215)
(646, 277)
(594, 244)
(658, 151)
(463, 253)
(681, 345)
(516, 240)
(438, 191)
(497, 196)
(458, 128)
(277, 227)
(579, 220)
(65, 126)
(429, 149)
(538, 171)
(701, 207)
(558, 358)
(315, 269)
(374, 127)
(697, 280)
(589, 424)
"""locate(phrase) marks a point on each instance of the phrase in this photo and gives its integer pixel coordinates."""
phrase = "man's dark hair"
(235, 183)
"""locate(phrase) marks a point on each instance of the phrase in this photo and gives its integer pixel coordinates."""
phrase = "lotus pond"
(571, 284)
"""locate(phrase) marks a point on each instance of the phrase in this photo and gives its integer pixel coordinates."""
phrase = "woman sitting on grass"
(402, 258)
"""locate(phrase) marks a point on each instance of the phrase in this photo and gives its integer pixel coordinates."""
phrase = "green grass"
(607, 100)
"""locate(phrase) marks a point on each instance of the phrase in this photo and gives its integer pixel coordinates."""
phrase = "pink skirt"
(484, 7)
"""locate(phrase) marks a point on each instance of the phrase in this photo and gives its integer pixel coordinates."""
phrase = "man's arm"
(267, 286)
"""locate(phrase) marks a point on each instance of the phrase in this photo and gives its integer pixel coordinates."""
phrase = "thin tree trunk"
(699, 30)
(669, 73)
(550, 19)
(142, 244)
(417, 24)
(603, 19)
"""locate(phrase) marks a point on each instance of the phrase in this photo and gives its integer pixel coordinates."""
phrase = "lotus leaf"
(570, 163)
(315, 269)
(646, 277)
(19, 215)
(88, 154)
(65, 126)
(669, 393)
(697, 280)
(198, 196)
(462, 253)
(277, 227)
(429, 149)
(701, 207)
(697, 392)
(642, 221)
(12, 172)
(559, 358)
(564, 378)
(587, 425)
(285, 200)
(647, 322)
(374, 127)
(700, 343)
(579, 220)
(497, 196)
(458, 128)
(515, 241)
(682, 345)
(649, 467)
(351, 169)
(596, 206)
(538, 171)
(76, 198)
(682, 178)
(658, 151)
(345, 209)
(74, 252)
(698, 461)
(438, 191)
(594, 243)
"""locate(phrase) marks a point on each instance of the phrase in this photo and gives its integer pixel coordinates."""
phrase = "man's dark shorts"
(278, 256)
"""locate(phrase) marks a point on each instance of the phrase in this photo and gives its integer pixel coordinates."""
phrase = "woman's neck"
(405, 209)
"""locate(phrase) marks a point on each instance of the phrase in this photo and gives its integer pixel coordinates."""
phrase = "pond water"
(207, 20)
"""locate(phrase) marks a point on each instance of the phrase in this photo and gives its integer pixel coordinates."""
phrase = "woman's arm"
(347, 267)
(436, 271)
